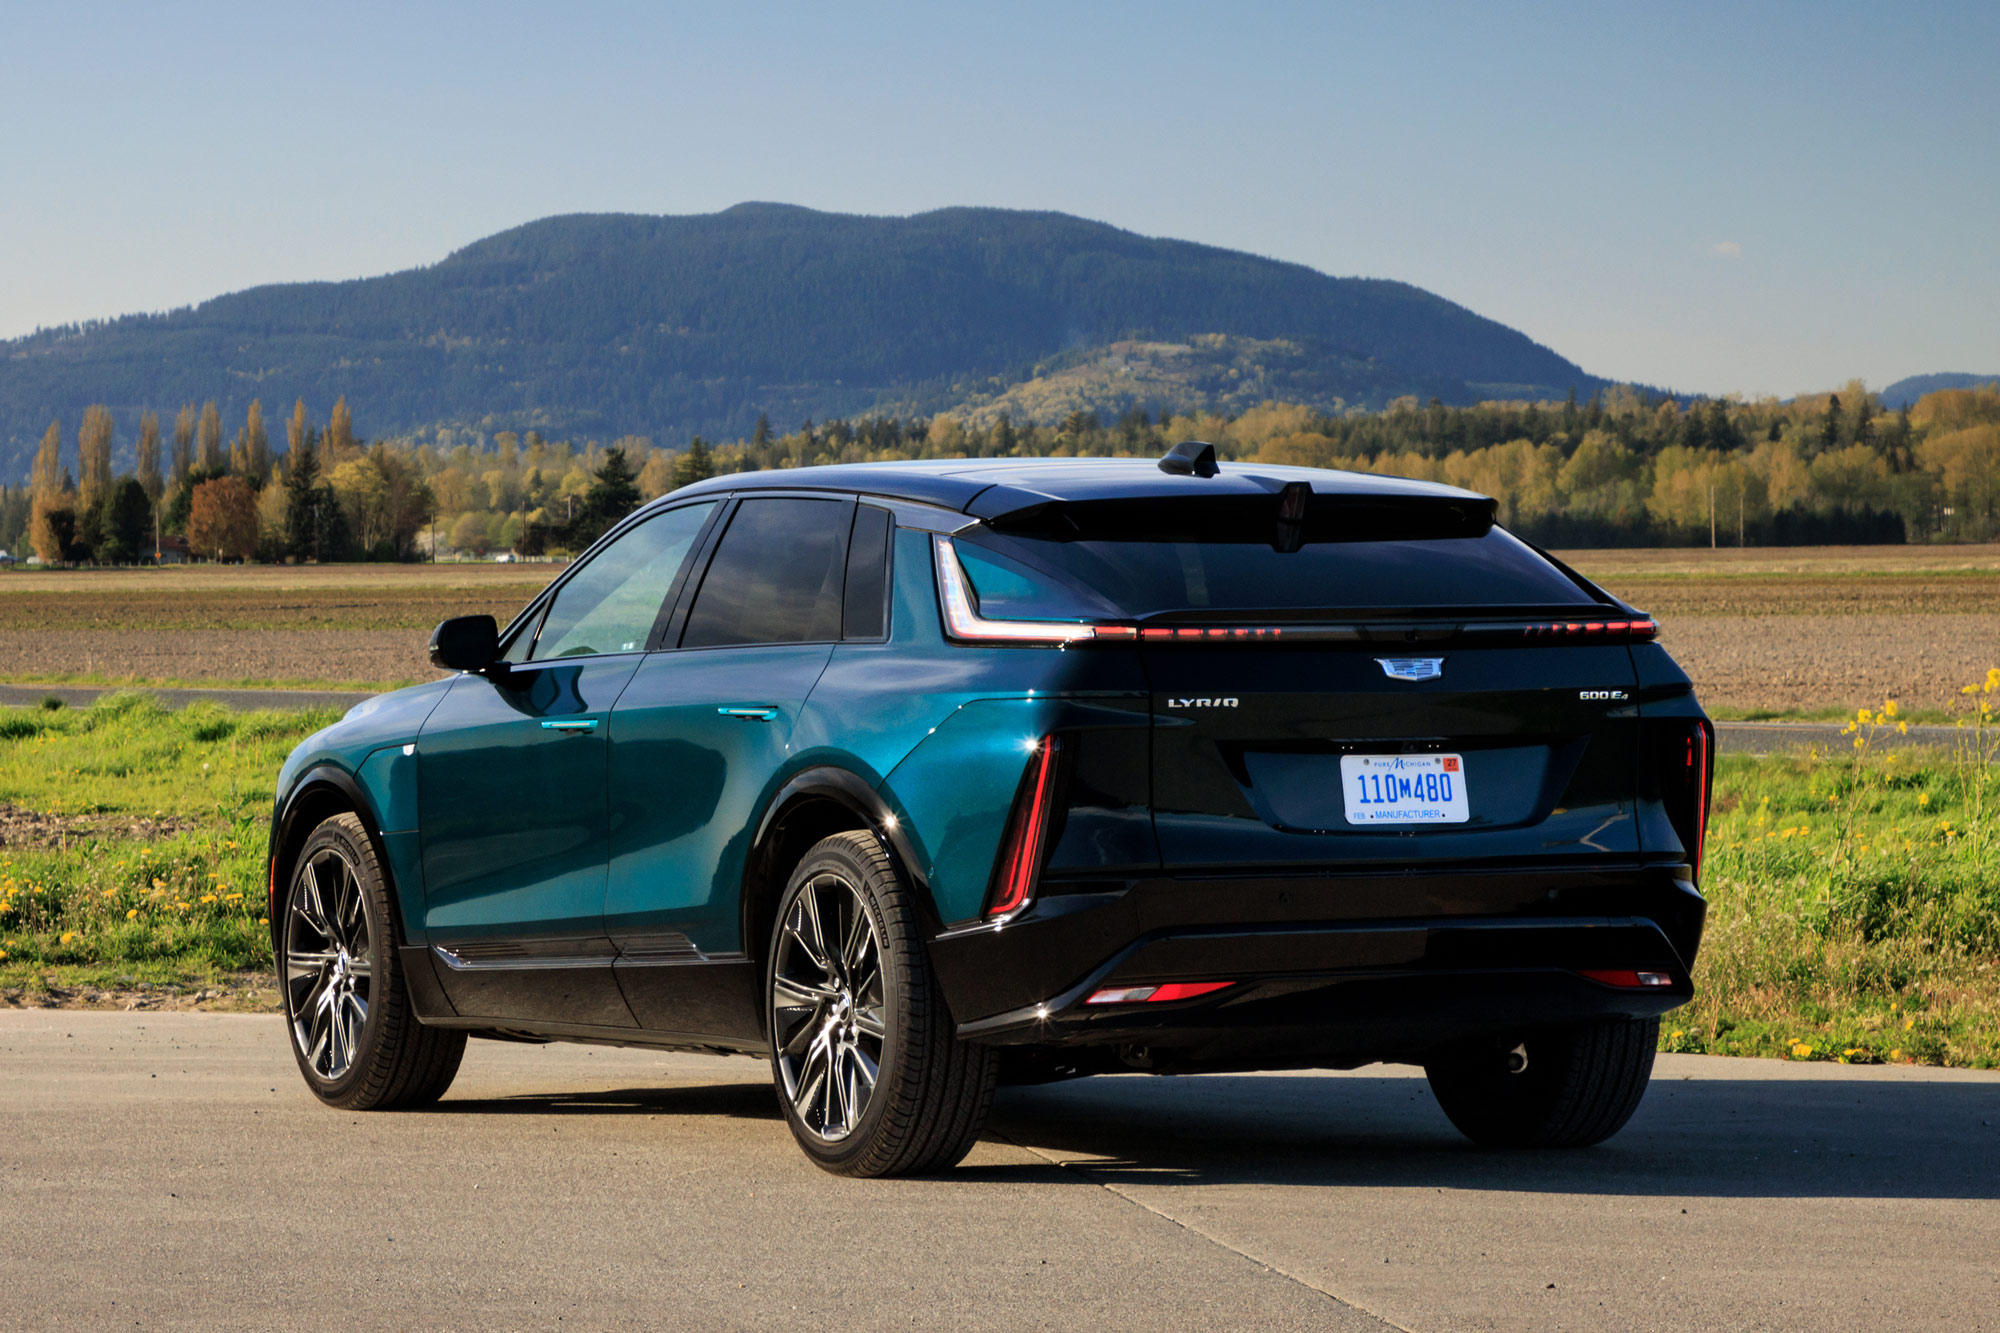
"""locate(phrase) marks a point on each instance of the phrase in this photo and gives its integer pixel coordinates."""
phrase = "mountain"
(605, 325)
(1906, 391)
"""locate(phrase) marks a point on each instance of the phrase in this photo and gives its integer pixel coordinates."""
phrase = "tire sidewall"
(335, 834)
(891, 940)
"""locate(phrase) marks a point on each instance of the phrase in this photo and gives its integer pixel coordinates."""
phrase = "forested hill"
(1904, 392)
(608, 325)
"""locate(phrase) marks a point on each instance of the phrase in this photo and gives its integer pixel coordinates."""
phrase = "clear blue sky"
(1711, 197)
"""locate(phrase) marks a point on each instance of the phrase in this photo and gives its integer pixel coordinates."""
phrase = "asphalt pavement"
(170, 1171)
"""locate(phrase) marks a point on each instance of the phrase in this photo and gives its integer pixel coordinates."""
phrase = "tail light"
(1161, 994)
(1027, 832)
(1593, 629)
(963, 623)
(1687, 758)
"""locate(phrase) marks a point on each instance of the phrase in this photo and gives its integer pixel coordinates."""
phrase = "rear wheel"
(871, 1077)
(1563, 1087)
(353, 1030)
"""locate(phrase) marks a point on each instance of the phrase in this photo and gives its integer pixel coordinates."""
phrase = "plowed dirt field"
(1787, 630)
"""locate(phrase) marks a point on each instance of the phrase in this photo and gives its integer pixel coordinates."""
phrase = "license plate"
(1404, 788)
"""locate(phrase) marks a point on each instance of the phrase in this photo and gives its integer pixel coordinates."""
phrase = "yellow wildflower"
(1889, 708)
(1909, 1023)
(129, 915)
(1800, 1050)
(1923, 798)
(66, 937)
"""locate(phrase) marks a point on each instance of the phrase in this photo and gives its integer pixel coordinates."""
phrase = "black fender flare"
(287, 831)
(813, 787)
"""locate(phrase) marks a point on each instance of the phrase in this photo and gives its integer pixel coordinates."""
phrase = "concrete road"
(169, 1170)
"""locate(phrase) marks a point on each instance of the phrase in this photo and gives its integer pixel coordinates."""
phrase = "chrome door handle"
(751, 714)
(570, 724)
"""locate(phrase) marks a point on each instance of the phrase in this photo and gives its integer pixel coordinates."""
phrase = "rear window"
(1070, 563)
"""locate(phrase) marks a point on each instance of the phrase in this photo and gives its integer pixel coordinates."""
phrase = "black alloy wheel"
(353, 1030)
(871, 1076)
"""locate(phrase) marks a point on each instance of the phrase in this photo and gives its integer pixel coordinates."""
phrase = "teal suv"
(915, 778)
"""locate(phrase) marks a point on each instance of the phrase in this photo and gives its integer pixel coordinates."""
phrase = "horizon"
(1693, 205)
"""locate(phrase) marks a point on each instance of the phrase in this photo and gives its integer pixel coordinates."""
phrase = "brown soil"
(31, 828)
(231, 655)
(1812, 660)
(240, 993)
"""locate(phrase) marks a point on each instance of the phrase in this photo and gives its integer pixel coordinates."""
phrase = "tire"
(1581, 1084)
(867, 1012)
(352, 1027)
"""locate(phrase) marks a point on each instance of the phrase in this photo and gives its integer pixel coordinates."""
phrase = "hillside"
(669, 326)
(1905, 392)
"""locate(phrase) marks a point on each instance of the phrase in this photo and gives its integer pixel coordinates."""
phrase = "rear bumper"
(1320, 970)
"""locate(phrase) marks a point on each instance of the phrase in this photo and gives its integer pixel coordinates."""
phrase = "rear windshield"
(1075, 567)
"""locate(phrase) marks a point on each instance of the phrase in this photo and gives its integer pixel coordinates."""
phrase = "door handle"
(570, 724)
(751, 713)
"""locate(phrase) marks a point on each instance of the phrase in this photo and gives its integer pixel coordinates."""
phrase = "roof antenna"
(1190, 458)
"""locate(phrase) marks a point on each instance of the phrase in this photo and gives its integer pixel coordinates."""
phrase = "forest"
(1626, 467)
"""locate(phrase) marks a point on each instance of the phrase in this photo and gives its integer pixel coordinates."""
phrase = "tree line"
(1625, 467)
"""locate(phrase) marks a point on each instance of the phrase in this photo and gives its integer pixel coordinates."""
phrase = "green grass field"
(1854, 899)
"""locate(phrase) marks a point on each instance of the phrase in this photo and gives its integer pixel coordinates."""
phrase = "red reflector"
(1172, 990)
(1626, 980)
(1027, 829)
(1186, 990)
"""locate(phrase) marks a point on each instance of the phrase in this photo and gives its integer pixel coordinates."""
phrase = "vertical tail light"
(1027, 832)
(1701, 776)
(1687, 776)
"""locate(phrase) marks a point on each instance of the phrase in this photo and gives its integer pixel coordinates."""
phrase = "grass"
(136, 838)
(1854, 898)
(1854, 902)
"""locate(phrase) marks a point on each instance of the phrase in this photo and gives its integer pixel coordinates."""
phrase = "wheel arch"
(322, 792)
(814, 804)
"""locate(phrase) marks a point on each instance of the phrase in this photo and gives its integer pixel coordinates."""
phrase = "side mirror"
(465, 643)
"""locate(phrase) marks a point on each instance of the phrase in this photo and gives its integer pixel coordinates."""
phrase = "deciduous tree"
(222, 520)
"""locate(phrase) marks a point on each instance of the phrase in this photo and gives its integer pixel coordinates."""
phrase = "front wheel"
(1565, 1087)
(871, 1076)
(353, 1029)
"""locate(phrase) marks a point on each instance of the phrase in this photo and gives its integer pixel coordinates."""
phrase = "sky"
(1712, 198)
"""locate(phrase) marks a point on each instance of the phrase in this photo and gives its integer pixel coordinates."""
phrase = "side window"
(611, 604)
(867, 607)
(776, 576)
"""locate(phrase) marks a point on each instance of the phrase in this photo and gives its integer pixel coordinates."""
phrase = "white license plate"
(1404, 788)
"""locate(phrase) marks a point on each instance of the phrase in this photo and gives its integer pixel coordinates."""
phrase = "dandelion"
(1923, 798)
(129, 915)
(1801, 1051)
(1909, 1023)
(66, 937)
(1896, 1054)
(263, 920)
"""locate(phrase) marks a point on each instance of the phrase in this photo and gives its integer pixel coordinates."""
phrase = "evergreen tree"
(305, 496)
(613, 493)
(1829, 426)
(695, 464)
(125, 524)
(761, 436)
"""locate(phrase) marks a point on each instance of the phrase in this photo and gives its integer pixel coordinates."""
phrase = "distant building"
(172, 550)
